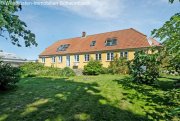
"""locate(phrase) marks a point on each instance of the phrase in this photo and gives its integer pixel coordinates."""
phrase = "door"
(67, 60)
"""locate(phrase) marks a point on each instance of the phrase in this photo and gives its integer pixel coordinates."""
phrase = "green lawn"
(88, 98)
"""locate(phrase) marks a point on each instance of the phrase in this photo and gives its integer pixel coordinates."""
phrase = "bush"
(68, 72)
(93, 68)
(50, 71)
(38, 69)
(31, 69)
(145, 67)
(118, 66)
(9, 76)
(105, 70)
(167, 66)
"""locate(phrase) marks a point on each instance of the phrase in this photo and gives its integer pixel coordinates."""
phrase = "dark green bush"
(9, 76)
(145, 67)
(38, 69)
(119, 66)
(93, 68)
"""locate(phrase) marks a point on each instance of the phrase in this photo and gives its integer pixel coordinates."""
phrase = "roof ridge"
(138, 32)
(98, 34)
(109, 32)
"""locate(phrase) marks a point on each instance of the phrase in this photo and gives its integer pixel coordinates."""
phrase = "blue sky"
(53, 23)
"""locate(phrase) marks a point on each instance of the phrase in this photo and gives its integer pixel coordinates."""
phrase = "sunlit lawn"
(88, 98)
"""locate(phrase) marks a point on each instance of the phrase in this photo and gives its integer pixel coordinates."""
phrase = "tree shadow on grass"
(157, 103)
(168, 83)
(49, 99)
(176, 78)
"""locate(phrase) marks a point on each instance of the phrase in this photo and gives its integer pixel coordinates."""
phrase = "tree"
(169, 33)
(11, 24)
(144, 68)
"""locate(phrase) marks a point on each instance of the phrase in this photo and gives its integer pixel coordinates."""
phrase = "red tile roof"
(126, 39)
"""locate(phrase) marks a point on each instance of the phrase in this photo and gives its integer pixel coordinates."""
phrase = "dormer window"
(111, 42)
(63, 47)
(93, 43)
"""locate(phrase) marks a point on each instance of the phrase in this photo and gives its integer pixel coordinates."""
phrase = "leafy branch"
(16, 29)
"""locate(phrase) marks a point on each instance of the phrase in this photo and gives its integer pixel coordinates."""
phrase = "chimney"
(83, 34)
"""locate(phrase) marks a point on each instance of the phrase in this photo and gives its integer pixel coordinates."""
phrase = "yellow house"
(76, 52)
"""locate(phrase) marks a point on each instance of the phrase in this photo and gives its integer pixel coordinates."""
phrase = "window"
(86, 57)
(121, 54)
(76, 58)
(110, 56)
(93, 43)
(111, 42)
(63, 47)
(98, 56)
(53, 59)
(124, 55)
(60, 59)
(43, 60)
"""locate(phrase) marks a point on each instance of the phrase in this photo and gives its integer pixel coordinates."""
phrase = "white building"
(11, 58)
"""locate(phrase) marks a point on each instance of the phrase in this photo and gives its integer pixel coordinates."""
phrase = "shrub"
(104, 70)
(168, 66)
(93, 68)
(68, 72)
(145, 67)
(31, 69)
(50, 71)
(119, 66)
(9, 76)
(38, 69)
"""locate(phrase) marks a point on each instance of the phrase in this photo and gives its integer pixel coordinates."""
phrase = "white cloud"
(98, 9)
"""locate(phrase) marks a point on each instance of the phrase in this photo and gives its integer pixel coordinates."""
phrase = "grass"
(86, 98)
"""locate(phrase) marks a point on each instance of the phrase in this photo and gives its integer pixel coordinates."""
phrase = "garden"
(146, 88)
(136, 90)
(83, 98)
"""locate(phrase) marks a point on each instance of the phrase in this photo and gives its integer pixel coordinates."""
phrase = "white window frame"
(86, 57)
(111, 56)
(43, 60)
(76, 58)
(60, 59)
(110, 42)
(53, 59)
(98, 56)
